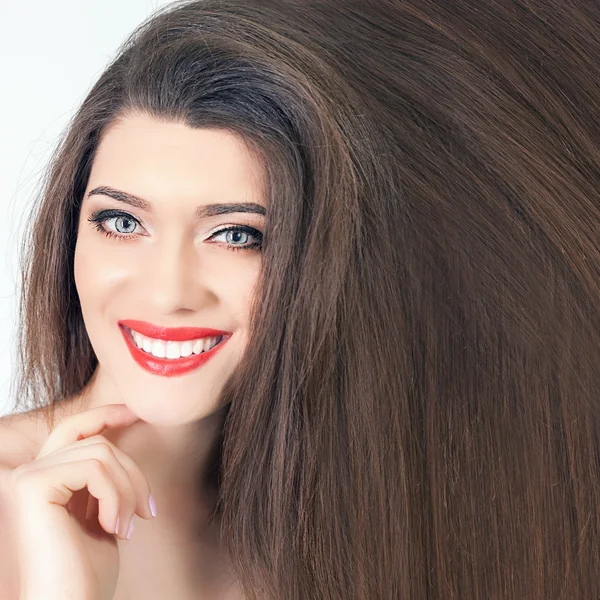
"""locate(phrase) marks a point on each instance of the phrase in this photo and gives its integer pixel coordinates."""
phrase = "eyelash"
(100, 217)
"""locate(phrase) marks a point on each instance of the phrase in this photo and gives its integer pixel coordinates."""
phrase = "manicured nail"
(130, 529)
(152, 506)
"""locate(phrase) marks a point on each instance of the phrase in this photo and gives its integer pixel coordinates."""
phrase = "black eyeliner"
(100, 216)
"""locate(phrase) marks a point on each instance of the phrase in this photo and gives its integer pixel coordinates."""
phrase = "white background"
(51, 53)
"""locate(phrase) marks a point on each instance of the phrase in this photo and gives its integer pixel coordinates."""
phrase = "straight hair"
(416, 415)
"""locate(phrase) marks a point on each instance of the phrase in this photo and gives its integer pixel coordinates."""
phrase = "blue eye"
(125, 219)
(232, 243)
(244, 230)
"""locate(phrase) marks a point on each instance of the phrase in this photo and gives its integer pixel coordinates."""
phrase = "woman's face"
(168, 261)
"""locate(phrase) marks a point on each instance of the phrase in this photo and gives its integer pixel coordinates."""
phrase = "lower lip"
(168, 367)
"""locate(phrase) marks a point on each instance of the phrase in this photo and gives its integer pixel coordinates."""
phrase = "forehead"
(153, 158)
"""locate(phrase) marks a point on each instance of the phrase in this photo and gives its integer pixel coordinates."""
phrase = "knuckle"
(132, 469)
(96, 438)
(97, 466)
(104, 451)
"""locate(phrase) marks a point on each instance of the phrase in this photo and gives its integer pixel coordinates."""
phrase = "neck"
(173, 458)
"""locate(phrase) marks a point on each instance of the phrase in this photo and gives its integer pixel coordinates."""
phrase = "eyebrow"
(202, 211)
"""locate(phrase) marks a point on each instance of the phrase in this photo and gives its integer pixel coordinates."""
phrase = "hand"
(61, 554)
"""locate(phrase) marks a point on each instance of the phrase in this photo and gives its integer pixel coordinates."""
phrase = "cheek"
(118, 272)
(97, 272)
(239, 288)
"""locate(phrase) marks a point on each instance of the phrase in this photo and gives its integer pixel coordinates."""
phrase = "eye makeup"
(99, 218)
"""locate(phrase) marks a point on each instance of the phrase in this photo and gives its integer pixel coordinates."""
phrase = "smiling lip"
(170, 367)
(173, 334)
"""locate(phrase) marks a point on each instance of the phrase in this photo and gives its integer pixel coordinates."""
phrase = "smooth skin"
(54, 540)
(164, 264)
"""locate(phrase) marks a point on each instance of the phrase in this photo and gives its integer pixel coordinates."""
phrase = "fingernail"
(152, 506)
(117, 526)
(130, 529)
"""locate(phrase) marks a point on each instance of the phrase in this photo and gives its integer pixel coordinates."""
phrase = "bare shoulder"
(13, 451)
(8, 562)
(21, 437)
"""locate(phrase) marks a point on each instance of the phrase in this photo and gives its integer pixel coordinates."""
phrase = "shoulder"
(13, 451)
(16, 441)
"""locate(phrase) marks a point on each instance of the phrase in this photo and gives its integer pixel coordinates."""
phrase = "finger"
(57, 483)
(141, 486)
(83, 425)
(130, 501)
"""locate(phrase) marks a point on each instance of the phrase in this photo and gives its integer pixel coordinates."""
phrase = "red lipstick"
(170, 367)
(175, 334)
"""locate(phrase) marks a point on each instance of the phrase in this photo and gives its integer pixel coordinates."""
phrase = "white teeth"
(173, 350)
(187, 348)
(158, 349)
(162, 349)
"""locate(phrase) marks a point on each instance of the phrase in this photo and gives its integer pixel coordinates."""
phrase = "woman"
(402, 402)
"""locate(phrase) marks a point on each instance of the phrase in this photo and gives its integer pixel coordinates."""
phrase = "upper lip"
(175, 334)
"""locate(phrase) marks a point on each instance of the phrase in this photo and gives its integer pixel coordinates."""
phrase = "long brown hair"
(417, 413)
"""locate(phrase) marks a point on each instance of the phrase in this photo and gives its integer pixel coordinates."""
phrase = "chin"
(169, 410)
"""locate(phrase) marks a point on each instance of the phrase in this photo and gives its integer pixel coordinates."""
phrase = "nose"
(172, 280)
